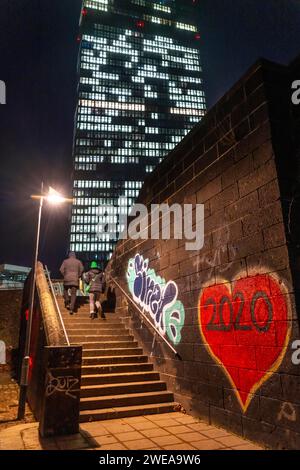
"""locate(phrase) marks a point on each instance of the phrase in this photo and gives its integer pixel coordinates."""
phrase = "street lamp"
(53, 198)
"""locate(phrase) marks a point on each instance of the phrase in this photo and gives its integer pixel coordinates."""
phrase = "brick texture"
(240, 292)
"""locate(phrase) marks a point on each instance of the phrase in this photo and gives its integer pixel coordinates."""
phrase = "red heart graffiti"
(246, 330)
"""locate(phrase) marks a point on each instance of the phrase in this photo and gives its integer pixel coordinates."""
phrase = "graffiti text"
(296, 354)
(157, 297)
(64, 385)
(2, 92)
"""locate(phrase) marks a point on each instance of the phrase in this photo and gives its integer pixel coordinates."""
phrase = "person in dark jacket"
(72, 270)
(95, 279)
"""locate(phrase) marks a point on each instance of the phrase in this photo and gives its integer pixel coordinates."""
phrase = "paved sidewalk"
(171, 431)
(9, 399)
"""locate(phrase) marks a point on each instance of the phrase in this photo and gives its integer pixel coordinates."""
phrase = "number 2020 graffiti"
(237, 322)
(245, 327)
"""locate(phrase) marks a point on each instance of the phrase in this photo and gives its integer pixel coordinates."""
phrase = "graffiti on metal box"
(64, 385)
(157, 297)
(246, 329)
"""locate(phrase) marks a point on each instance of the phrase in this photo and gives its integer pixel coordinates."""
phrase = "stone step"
(81, 310)
(96, 369)
(126, 412)
(94, 391)
(100, 338)
(92, 324)
(115, 401)
(112, 352)
(84, 313)
(79, 307)
(98, 378)
(112, 345)
(86, 317)
(98, 331)
(101, 361)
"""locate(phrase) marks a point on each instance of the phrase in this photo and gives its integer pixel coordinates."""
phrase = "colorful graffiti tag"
(157, 297)
(246, 329)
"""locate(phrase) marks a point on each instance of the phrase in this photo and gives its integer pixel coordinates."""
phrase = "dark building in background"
(140, 92)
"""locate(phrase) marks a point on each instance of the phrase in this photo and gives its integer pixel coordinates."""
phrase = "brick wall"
(10, 304)
(235, 317)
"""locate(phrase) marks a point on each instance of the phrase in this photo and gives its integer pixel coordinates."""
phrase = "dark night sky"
(38, 55)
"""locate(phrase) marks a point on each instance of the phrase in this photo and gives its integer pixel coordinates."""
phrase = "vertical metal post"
(153, 344)
(26, 358)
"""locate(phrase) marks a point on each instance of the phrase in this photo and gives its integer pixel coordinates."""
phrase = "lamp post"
(53, 197)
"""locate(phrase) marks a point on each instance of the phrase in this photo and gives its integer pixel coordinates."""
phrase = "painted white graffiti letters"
(296, 354)
(157, 297)
(296, 92)
(2, 353)
(2, 92)
(64, 385)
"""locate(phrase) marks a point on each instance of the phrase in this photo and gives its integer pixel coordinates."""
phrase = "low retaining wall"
(10, 304)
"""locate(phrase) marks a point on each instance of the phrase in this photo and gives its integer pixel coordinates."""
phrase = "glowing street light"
(53, 198)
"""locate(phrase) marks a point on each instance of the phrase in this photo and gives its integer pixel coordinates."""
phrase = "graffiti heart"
(246, 329)
(157, 297)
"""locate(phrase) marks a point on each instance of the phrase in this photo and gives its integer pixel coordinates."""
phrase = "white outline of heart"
(277, 363)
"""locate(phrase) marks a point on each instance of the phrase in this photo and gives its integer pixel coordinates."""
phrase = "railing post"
(153, 344)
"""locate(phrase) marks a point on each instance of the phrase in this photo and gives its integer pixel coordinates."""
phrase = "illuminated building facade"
(140, 92)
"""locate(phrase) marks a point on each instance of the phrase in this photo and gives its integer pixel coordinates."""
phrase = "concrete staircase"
(117, 379)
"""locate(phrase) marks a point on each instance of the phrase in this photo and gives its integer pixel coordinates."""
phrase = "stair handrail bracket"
(144, 317)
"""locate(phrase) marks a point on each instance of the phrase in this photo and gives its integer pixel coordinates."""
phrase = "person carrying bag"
(96, 285)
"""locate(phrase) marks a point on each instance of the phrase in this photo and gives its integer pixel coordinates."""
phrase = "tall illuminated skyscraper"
(140, 92)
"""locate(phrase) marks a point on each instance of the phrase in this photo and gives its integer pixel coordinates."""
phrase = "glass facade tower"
(140, 91)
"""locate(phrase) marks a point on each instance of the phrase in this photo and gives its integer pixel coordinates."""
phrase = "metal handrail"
(57, 306)
(145, 318)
